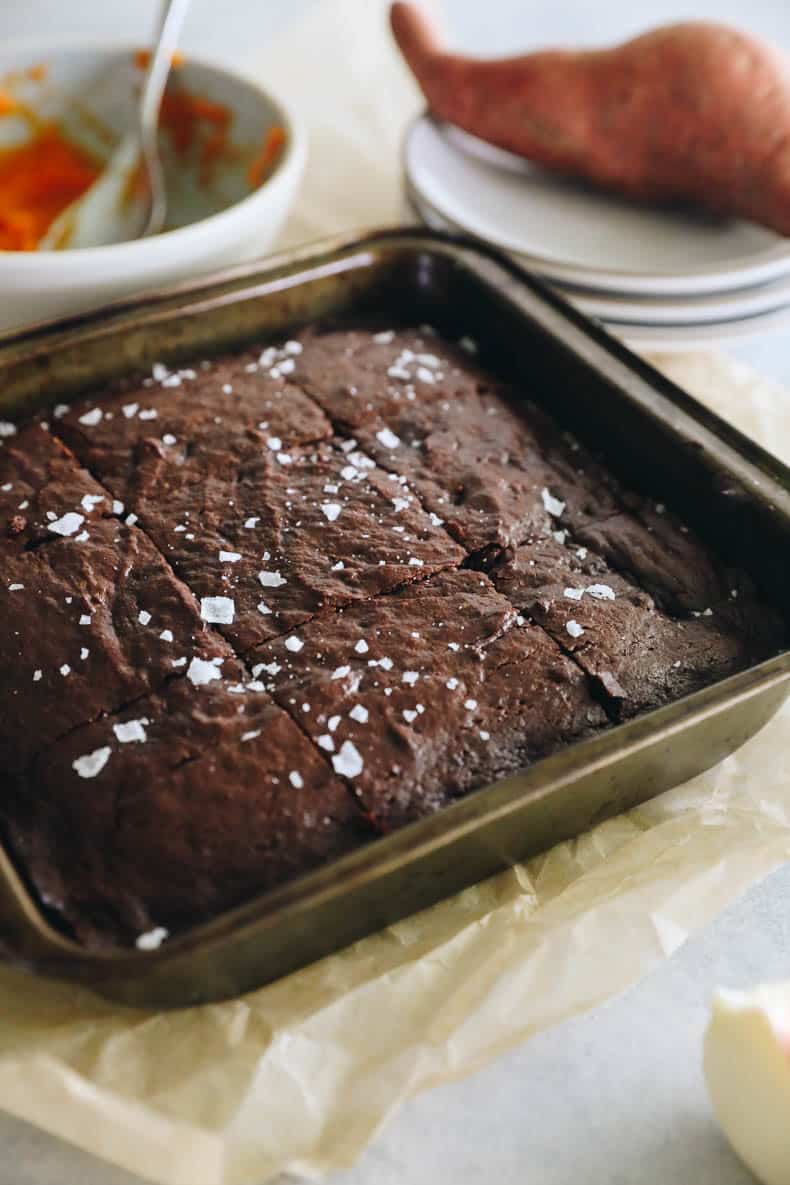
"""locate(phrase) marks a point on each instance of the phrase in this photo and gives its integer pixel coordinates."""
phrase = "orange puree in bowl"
(193, 121)
(38, 179)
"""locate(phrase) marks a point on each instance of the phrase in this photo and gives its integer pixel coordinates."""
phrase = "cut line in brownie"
(424, 694)
(181, 806)
(266, 538)
(639, 655)
(87, 624)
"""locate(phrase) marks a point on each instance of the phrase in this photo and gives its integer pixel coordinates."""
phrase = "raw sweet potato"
(690, 112)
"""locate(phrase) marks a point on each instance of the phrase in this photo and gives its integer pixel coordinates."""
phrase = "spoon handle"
(173, 13)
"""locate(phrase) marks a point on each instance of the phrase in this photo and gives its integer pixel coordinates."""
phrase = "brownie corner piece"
(639, 655)
(180, 806)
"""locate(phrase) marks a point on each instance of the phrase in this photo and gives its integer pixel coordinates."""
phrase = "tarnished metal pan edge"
(553, 800)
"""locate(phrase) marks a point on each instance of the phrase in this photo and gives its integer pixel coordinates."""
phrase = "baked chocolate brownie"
(421, 695)
(112, 434)
(87, 623)
(357, 375)
(266, 538)
(182, 805)
(667, 559)
(639, 656)
(495, 475)
(244, 624)
(44, 494)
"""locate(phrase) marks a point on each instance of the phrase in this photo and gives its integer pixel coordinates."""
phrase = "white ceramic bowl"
(90, 91)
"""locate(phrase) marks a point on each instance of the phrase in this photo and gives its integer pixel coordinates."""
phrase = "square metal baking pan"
(653, 435)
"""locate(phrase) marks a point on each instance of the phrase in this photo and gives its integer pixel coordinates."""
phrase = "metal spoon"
(116, 208)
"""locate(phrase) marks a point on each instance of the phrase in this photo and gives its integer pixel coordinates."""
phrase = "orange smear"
(7, 103)
(192, 121)
(38, 180)
(261, 166)
(142, 59)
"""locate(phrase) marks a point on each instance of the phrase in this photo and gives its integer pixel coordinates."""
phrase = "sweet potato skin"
(687, 112)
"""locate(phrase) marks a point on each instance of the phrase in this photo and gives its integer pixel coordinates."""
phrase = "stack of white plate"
(660, 279)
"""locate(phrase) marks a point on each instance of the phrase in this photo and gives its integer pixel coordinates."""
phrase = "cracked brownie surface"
(280, 536)
(422, 694)
(176, 808)
(258, 610)
(44, 494)
(638, 655)
(87, 624)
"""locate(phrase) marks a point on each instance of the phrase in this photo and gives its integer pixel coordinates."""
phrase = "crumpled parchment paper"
(299, 1075)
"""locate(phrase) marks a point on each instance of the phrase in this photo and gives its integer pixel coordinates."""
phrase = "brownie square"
(44, 493)
(87, 624)
(270, 538)
(422, 695)
(663, 556)
(182, 805)
(358, 376)
(496, 472)
(113, 432)
(639, 655)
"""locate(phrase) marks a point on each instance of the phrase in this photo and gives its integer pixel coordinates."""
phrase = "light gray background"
(613, 1098)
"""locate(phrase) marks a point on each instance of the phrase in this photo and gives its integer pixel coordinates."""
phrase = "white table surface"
(612, 1098)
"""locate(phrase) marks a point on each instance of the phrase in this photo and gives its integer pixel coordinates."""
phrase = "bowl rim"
(291, 159)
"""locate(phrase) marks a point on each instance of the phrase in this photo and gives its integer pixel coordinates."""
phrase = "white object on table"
(747, 1067)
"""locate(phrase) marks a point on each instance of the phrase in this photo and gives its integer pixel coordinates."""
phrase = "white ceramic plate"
(640, 335)
(575, 235)
(649, 310)
(667, 311)
(674, 338)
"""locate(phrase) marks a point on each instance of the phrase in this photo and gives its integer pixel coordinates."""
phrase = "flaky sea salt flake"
(93, 763)
(387, 438)
(348, 762)
(152, 939)
(131, 731)
(200, 671)
(271, 579)
(69, 524)
(553, 505)
(91, 418)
